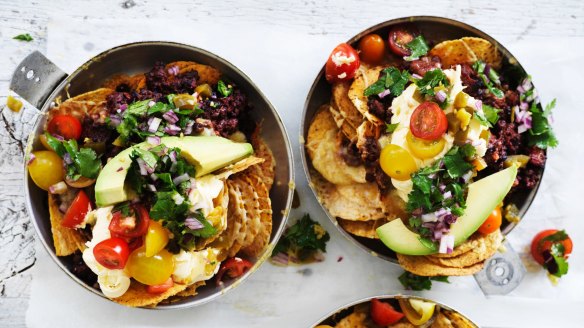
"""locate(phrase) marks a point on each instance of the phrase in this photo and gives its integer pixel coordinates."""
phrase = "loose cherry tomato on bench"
(342, 64)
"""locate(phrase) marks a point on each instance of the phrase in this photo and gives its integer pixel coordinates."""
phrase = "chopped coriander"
(479, 66)
(411, 281)
(390, 79)
(541, 134)
(303, 239)
(432, 79)
(23, 37)
(82, 162)
(224, 89)
(455, 162)
(389, 128)
(418, 48)
(491, 114)
(556, 237)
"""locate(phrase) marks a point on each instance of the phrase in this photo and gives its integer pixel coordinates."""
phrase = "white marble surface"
(301, 37)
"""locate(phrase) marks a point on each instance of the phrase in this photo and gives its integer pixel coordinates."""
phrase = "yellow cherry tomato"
(397, 162)
(153, 270)
(156, 238)
(425, 148)
(417, 312)
(46, 169)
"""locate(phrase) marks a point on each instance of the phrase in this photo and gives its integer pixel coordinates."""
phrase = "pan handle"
(502, 273)
(35, 78)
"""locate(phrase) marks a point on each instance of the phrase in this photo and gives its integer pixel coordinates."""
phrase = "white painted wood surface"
(508, 22)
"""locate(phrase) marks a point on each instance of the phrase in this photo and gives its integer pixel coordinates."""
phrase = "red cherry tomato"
(428, 121)
(65, 126)
(76, 212)
(538, 246)
(384, 314)
(234, 267)
(112, 253)
(372, 48)
(399, 36)
(132, 226)
(342, 64)
(492, 223)
(159, 289)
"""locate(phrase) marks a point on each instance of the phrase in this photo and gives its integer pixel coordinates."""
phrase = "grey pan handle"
(502, 273)
(35, 78)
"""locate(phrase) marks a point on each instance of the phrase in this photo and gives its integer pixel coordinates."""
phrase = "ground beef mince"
(474, 85)
(537, 156)
(96, 132)
(225, 112)
(350, 153)
(160, 80)
(424, 64)
(370, 152)
(380, 107)
(118, 99)
(82, 271)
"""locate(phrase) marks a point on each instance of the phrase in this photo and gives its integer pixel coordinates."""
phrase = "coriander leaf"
(170, 99)
(55, 144)
(561, 264)
(431, 80)
(124, 208)
(479, 66)
(23, 37)
(138, 108)
(491, 114)
(165, 207)
(303, 239)
(428, 243)
(389, 128)
(541, 133)
(467, 150)
(422, 182)
(411, 281)
(224, 90)
(159, 107)
(88, 163)
(206, 231)
(441, 279)
(418, 48)
(482, 119)
(549, 107)
(390, 79)
(556, 237)
(150, 158)
(127, 127)
(455, 164)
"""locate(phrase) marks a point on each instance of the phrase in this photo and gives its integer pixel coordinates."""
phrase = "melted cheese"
(204, 190)
(191, 267)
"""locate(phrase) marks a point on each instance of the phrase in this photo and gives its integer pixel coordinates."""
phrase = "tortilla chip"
(341, 101)
(207, 74)
(367, 131)
(93, 102)
(365, 77)
(485, 51)
(253, 210)
(67, 241)
(453, 52)
(347, 129)
(486, 247)
(393, 205)
(137, 82)
(264, 152)
(235, 217)
(221, 200)
(356, 202)
(138, 296)
(457, 320)
(191, 290)
(262, 239)
(362, 228)
(353, 320)
(240, 214)
(441, 321)
(323, 148)
(115, 81)
(237, 167)
(403, 324)
(421, 266)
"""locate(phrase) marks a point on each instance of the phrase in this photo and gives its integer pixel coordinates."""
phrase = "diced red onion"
(178, 199)
(318, 257)
(189, 127)
(67, 159)
(524, 105)
(172, 156)
(193, 223)
(487, 69)
(532, 97)
(180, 179)
(58, 188)
(154, 177)
(173, 70)
(151, 103)
(63, 208)
(520, 89)
(171, 129)
(479, 105)
(31, 159)
(142, 165)
(383, 94)
(432, 176)
(437, 234)
(446, 243)
(115, 120)
(281, 258)
(466, 177)
(153, 140)
(120, 169)
(522, 128)
(476, 143)
(152, 187)
(123, 107)
(173, 167)
(170, 117)
(429, 217)
(526, 84)
(442, 187)
(447, 195)
(441, 96)
(416, 76)
(153, 124)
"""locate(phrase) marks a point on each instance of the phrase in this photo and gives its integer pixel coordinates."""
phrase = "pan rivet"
(30, 74)
(37, 80)
(23, 69)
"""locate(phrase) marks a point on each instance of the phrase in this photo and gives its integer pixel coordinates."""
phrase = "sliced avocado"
(483, 197)
(206, 154)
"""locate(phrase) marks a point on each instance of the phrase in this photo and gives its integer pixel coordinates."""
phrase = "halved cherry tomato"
(342, 63)
(65, 126)
(492, 223)
(538, 247)
(76, 212)
(399, 36)
(156, 238)
(428, 121)
(154, 270)
(132, 226)
(397, 162)
(384, 314)
(112, 253)
(134, 243)
(372, 48)
(46, 169)
(234, 267)
(425, 148)
(159, 289)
